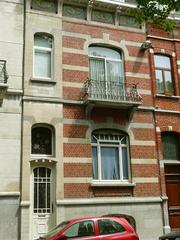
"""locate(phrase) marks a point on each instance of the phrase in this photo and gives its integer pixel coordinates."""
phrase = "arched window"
(110, 151)
(42, 141)
(163, 72)
(171, 144)
(106, 73)
(43, 56)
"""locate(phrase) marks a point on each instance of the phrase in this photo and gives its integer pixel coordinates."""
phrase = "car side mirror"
(63, 237)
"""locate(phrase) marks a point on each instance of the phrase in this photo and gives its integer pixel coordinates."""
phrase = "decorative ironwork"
(3, 72)
(42, 190)
(111, 90)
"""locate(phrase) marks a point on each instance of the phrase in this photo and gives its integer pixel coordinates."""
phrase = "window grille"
(42, 190)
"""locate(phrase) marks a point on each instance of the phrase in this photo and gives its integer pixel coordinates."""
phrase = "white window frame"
(164, 69)
(43, 49)
(105, 60)
(103, 143)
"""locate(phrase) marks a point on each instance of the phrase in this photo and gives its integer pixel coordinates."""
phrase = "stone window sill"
(167, 96)
(43, 80)
(97, 183)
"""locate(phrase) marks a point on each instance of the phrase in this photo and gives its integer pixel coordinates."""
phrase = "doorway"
(43, 201)
(172, 177)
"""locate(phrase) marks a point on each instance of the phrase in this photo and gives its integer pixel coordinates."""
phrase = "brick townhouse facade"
(100, 117)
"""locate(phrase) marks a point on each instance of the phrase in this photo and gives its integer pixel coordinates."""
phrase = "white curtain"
(42, 65)
(110, 163)
(97, 76)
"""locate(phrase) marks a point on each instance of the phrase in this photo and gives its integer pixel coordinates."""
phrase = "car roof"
(93, 218)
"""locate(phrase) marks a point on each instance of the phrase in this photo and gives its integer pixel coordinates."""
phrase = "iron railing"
(115, 91)
(3, 72)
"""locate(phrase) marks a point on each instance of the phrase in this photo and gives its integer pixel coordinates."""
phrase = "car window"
(55, 230)
(107, 226)
(80, 229)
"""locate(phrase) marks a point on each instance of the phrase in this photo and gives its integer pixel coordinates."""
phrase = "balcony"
(3, 80)
(111, 94)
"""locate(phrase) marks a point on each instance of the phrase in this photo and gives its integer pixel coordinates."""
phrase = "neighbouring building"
(94, 127)
(11, 57)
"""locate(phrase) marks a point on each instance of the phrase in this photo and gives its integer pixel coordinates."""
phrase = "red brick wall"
(115, 116)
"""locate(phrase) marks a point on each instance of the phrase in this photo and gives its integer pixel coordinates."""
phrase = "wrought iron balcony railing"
(111, 91)
(3, 72)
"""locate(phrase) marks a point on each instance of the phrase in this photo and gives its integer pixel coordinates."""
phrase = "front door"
(172, 174)
(43, 205)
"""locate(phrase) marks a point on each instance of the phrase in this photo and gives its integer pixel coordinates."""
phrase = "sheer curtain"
(42, 65)
(115, 86)
(97, 76)
(110, 163)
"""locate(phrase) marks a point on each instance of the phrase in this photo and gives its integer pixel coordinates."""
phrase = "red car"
(95, 228)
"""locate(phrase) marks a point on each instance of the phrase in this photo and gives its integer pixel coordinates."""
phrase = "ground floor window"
(110, 156)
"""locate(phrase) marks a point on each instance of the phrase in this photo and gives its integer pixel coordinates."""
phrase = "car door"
(111, 230)
(82, 230)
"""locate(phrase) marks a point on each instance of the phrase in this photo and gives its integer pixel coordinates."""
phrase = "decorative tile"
(73, 11)
(129, 21)
(105, 17)
(44, 5)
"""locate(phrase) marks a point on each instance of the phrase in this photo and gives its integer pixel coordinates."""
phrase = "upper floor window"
(110, 156)
(171, 143)
(42, 141)
(43, 56)
(163, 71)
(106, 73)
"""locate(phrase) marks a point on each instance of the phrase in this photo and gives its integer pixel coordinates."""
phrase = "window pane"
(72, 231)
(35, 196)
(110, 163)
(95, 163)
(42, 195)
(48, 197)
(114, 77)
(42, 64)
(162, 61)
(97, 69)
(41, 141)
(125, 163)
(97, 76)
(107, 226)
(104, 52)
(42, 41)
(159, 81)
(170, 147)
(80, 229)
(168, 80)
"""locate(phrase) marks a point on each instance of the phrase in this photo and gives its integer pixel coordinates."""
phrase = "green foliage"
(156, 12)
